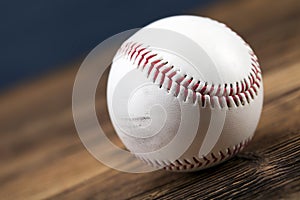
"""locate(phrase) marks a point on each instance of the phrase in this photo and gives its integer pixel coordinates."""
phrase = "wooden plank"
(36, 166)
(129, 185)
(271, 173)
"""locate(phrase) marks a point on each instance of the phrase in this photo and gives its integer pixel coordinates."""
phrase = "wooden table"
(42, 156)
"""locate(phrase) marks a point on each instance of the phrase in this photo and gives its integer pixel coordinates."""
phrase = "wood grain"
(42, 156)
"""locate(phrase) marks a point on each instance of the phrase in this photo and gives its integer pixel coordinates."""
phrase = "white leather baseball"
(185, 93)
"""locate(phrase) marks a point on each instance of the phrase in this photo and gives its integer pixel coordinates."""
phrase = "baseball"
(185, 93)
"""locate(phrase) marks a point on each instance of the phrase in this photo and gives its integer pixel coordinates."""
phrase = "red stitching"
(222, 155)
(128, 48)
(203, 89)
(231, 90)
(228, 101)
(237, 88)
(157, 71)
(196, 86)
(178, 162)
(218, 90)
(139, 51)
(207, 160)
(172, 74)
(241, 99)
(236, 101)
(152, 65)
(246, 86)
(155, 75)
(147, 60)
(187, 83)
(180, 80)
(229, 152)
(196, 160)
(170, 78)
(170, 84)
(142, 57)
(211, 89)
(135, 48)
(214, 157)
(186, 161)
(243, 86)
(131, 47)
(163, 77)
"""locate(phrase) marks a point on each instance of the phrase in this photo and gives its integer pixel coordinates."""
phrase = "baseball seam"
(188, 88)
(197, 162)
(237, 94)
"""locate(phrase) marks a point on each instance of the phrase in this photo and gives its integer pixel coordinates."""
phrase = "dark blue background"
(37, 36)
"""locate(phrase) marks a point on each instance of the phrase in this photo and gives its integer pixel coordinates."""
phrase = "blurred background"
(38, 37)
